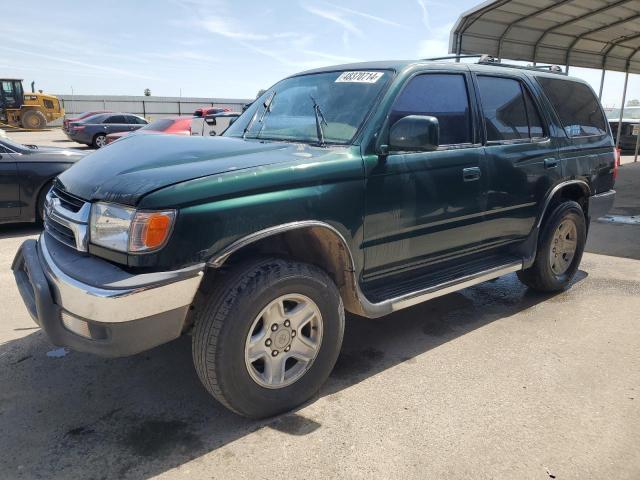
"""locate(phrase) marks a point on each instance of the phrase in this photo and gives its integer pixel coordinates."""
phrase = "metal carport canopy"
(602, 34)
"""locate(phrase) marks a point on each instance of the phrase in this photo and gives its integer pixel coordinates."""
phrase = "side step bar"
(391, 305)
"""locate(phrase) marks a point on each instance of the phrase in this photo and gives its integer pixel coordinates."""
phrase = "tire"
(553, 270)
(42, 197)
(224, 327)
(33, 119)
(99, 141)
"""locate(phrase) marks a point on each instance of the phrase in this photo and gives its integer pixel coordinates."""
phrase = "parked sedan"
(169, 126)
(26, 173)
(82, 116)
(94, 130)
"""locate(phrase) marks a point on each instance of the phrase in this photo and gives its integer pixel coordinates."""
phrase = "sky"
(222, 48)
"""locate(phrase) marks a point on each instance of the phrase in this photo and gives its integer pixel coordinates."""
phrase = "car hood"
(53, 154)
(125, 171)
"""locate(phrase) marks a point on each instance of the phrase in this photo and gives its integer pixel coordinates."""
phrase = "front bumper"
(600, 204)
(90, 305)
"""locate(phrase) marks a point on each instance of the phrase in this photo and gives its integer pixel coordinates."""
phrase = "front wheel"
(268, 336)
(33, 120)
(560, 248)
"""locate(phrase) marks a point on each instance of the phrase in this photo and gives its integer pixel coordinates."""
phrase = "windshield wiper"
(320, 120)
(267, 108)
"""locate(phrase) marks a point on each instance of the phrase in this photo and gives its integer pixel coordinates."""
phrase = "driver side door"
(426, 207)
(9, 189)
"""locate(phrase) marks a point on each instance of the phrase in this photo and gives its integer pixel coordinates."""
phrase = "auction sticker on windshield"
(359, 77)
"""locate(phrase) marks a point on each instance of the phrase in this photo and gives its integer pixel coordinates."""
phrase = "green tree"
(147, 92)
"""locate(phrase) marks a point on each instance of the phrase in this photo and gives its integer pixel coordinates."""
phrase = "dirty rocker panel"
(382, 306)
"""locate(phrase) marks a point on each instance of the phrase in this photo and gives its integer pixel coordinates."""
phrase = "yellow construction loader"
(27, 110)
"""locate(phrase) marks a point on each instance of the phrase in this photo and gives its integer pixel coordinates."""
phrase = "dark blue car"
(94, 130)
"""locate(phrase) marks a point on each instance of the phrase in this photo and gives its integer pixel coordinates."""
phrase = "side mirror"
(418, 133)
(210, 120)
(232, 120)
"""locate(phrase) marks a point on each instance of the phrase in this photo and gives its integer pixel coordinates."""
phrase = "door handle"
(471, 174)
(551, 162)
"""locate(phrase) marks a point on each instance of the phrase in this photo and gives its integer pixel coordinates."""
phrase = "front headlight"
(127, 230)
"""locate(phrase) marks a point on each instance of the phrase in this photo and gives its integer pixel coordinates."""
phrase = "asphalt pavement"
(494, 381)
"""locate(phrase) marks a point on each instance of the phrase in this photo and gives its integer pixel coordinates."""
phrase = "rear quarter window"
(576, 105)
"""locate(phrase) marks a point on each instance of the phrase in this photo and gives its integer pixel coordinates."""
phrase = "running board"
(374, 310)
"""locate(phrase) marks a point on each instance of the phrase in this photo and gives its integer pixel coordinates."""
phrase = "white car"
(213, 124)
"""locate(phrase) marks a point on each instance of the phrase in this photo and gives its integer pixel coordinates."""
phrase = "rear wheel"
(268, 336)
(99, 141)
(560, 248)
(33, 119)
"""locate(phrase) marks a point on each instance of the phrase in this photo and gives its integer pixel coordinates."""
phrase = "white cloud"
(334, 17)
(425, 14)
(433, 48)
(226, 28)
(118, 71)
(365, 15)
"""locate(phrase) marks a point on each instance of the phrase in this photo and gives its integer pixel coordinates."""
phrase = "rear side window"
(115, 119)
(576, 105)
(508, 110)
(443, 96)
(136, 120)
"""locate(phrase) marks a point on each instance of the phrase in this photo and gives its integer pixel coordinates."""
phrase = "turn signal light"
(150, 230)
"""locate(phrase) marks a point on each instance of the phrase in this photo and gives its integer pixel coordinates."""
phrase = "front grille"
(60, 232)
(67, 218)
(67, 200)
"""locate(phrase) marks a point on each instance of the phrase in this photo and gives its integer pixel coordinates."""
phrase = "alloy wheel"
(283, 341)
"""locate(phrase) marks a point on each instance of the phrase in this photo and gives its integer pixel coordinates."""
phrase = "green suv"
(367, 188)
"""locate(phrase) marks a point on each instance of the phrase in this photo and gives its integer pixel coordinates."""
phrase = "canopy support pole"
(601, 84)
(624, 98)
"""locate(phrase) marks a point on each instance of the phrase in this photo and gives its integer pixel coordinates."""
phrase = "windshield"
(629, 112)
(159, 125)
(286, 111)
(16, 147)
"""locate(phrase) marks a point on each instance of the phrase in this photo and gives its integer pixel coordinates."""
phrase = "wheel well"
(316, 245)
(575, 192)
(44, 188)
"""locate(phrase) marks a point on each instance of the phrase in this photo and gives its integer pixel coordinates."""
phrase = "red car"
(204, 111)
(171, 126)
(82, 116)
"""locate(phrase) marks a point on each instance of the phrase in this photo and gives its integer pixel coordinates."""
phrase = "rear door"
(422, 207)
(115, 123)
(522, 158)
(586, 151)
(9, 189)
(135, 122)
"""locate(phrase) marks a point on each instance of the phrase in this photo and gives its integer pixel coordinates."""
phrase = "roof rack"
(484, 59)
(452, 57)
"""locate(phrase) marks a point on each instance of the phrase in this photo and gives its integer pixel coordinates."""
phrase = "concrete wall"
(151, 107)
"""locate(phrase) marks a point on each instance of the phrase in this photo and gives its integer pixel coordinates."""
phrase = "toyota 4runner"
(367, 188)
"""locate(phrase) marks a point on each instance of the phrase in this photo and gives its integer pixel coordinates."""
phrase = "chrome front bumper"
(91, 305)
